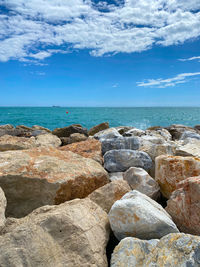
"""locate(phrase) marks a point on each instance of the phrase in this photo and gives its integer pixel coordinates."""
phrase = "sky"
(100, 53)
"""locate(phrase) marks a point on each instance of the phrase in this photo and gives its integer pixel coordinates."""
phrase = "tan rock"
(3, 204)
(184, 205)
(41, 176)
(106, 195)
(38, 127)
(170, 170)
(77, 137)
(73, 234)
(90, 148)
(47, 140)
(98, 128)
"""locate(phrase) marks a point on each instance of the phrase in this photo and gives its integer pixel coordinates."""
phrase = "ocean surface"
(54, 117)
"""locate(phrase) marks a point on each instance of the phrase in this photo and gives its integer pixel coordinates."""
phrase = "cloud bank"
(162, 83)
(36, 29)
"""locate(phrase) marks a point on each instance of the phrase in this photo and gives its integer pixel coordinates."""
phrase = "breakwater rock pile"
(99, 197)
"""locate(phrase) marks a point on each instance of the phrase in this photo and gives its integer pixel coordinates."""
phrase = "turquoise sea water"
(53, 117)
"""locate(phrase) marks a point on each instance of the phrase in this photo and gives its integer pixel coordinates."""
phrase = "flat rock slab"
(123, 159)
(57, 236)
(170, 170)
(41, 176)
(184, 205)
(181, 250)
(137, 215)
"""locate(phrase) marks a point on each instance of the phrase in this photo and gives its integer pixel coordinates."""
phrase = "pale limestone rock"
(77, 137)
(3, 204)
(38, 127)
(47, 140)
(108, 194)
(41, 176)
(137, 215)
(189, 148)
(140, 180)
(160, 133)
(134, 132)
(73, 234)
(107, 134)
(170, 170)
(116, 176)
(184, 205)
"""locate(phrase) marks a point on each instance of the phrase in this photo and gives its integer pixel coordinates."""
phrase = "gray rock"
(140, 180)
(190, 147)
(189, 134)
(137, 215)
(161, 132)
(120, 143)
(134, 132)
(116, 176)
(176, 130)
(107, 134)
(179, 250)
(3, 203)
(121, 160)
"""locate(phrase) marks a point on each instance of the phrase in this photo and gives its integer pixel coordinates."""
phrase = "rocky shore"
(119, 197)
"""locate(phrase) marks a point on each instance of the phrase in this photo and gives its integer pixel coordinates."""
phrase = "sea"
(139, 117)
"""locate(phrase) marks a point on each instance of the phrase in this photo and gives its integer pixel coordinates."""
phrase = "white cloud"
(30, 29)
(190, 59)
(162, 83)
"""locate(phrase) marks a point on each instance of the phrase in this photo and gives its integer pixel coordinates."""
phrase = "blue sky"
(95, 53)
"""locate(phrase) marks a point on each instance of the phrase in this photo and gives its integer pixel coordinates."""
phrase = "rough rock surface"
(179, 250)
(38, 127)
(120, 143)
(58, 236)
(106, 195)
(131, 252)
(91, 148)
(176, 130)
(137, 215)
(3, 204)
(47, 140)
(184, 205)
(67, 131)
(170, 170)
(98, 128)
(190, 134)
(41, 176)
(134, 132)
(107, 134)
(160, 133)
(116, 176)
(77, 137)
(189, 148)
(140, 180)
(121, 160)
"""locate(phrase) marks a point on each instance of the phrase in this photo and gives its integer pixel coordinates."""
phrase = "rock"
(184, 205)
(67, 131)
(116, 176)
(121, 160)
(120, 143)
(65, 141)
(134, 132)
(123, 129)
(6, 127)
(13, 132)
(40, 128)
(98, 128)
(189, 148)
(176, 130)
(8, 142)
(106, 195)
(58, 236)
(197, 127)
(91, 148)
(160, 133)
(132, 252)
(107, 134)
(145, 139)
(3, 204)
(23, 128)
(140, 180)
(41, 176)
(170, 170)
(77, 137)
(180, 250)
(47, 139)
(190, 134)
(137, 215)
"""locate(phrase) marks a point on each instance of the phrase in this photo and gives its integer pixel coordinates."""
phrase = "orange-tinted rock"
(91, 148)
(41, 176)
(170, 170)
(184, 205)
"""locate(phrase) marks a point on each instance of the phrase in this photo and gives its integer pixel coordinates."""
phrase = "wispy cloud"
(190, 59)
(162, 83)
(115, 85)
(30, 29)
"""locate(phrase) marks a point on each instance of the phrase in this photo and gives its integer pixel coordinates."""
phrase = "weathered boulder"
(140, 180)
(137, 215)
(3, 204)
(65, 141)
(77, 137)
(106, 195)
(170, 170)
(190, 134)
(180, 250)
(123, 129)
(132, 252)
(197, 127)
(58, 236)
(91, 148)
(67, 131)
(184, 205)
(120, 143)
(134, 132)
(121, 160)
(107, 134)
(160, 133)
(47, 139)
(38, 127)
(116, 176)
(191, 147)
(176, 130)
(41, 176)
(6, 127)
(97, 128)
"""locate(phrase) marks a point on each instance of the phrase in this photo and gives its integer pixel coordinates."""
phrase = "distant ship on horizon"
(56, 106)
